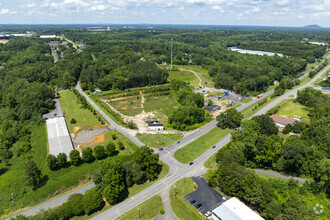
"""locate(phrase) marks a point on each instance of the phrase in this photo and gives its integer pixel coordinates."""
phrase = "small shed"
(213, 108)
(98, 91)
(155, 127)
(296, 117)
(151, 121)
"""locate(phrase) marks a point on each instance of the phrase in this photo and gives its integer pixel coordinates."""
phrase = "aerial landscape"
(192, 109)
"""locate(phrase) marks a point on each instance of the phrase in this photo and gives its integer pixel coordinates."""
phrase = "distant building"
(212, 108)
(282, 121)
(48, 36)
(296, 117)
(97, 91)
(233, 209)
(155, 127)
(207, 101)
(151, 121)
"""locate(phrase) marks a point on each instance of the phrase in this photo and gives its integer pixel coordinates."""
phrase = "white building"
(233, 209)
(48, 36)
(155, 127)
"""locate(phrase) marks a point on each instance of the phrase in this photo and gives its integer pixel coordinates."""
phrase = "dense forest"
(258, 145)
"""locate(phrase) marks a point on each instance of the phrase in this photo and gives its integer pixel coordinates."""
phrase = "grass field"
(73, 109)
(210, 163)
(180, 206)
(147, 210)
(202, 73)
(57, 182)
(159, 140)
(290, 108)
(184, 76)
(130, 106)
(196, 148)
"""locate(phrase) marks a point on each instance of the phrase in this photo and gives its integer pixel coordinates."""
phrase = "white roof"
(59, 139)
(233, 209)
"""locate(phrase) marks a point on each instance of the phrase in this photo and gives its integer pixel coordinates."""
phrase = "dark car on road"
(192, 202)
(191, 163)
(214, 146)
(199, 205)
(178, 142)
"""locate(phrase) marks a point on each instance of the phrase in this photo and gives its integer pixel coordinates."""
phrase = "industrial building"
(233, 209)
(59, 139)
(155, 127)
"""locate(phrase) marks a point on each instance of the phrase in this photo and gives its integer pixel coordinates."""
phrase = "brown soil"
(76, 129)
(122, 101)
(123, 108)
(100, 138)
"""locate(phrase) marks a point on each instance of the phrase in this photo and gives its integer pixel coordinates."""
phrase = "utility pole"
(171, 52)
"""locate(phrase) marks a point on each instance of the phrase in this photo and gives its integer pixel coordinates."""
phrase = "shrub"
(51, 162)
(87, 155)
(92, 201)
(114, 137)
(287, 129)
(99, 152)
(73, 121)
(162, 211)
(121, 145)
(74, 204)
(297, 127)
(75, 157)
(62, 160)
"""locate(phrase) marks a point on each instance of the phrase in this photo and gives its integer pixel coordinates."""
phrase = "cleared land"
(202, 73)
(73, 109)
(184, 76)
(196, 148)
(180, 206)
(159, 140)
(147, 210)
(290, 108)
(129, 106)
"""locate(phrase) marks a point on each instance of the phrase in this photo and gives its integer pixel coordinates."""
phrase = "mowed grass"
(184, 76)
(196, 148)
(147, 210)
(290, 108)
(73, 109)
(129, 106)
(159, 140)
(202, 73)
(180, 206)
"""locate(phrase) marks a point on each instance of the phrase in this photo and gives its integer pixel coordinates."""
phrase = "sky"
(199, 12)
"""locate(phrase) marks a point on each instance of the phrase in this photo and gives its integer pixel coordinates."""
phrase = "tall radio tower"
(171, 52)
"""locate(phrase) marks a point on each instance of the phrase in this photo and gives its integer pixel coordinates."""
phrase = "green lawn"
(159, 140)
(202, 73)
(147, 210)
(290, 108)
(210, 162)
(184, 76)
(196, 148)
(180, 206)
(73, 109)
(246, 100)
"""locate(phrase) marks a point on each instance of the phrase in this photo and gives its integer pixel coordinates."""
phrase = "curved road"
(177, 170)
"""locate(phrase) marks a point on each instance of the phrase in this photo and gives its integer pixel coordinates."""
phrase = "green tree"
(92, 201)
(287, 129)
(75, 157)
(297, 127)
(51, 161)
(148, 161)
(110, 149)
(74, 204)
(87, 155)
(266, 124)
(33, 173)
(99, 152)
(62, 160)
(231, 118)
(322, 174)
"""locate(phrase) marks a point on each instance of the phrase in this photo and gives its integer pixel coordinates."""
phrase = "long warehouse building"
(59, 139)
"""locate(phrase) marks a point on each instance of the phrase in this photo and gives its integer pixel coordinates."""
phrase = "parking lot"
(206, 195)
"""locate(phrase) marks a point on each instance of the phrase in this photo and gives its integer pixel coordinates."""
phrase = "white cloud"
(98, 8)
(283, 2)
(30, 5)
(217, 8)
(4, 11)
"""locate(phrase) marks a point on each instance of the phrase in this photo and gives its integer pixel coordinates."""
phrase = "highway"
(177, 170)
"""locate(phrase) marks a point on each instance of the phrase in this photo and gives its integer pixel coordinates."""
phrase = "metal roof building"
(233, 209)
(59, 139)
